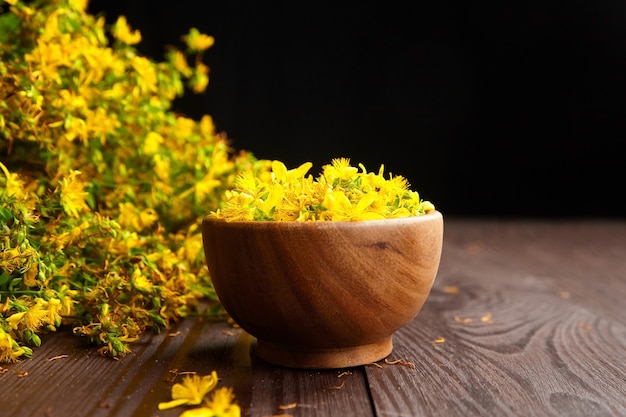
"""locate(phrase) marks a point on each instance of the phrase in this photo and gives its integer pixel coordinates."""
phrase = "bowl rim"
(424, 218)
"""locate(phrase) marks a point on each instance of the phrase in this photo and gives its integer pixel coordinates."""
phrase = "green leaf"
(9, 23)
(5, 277)
(6, 215)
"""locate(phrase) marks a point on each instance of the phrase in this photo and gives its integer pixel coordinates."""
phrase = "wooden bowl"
(323, 294)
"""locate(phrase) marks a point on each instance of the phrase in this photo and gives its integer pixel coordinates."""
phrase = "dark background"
(497, 109)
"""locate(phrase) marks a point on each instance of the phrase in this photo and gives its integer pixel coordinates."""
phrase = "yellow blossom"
(185, 127)
(66, 298)
(54, 310)
(162, 167)
(220, 405)
(140, 281)
(207, 127)
(340, 193)
(69, 237)
(14, 186)
(191, 391)
(36, 316)
(198, 41)
(79, 4)
(200, 81)
(70, 100)
(340, 169)
(130, 217)
(73, 194)
(51, 29)
(122, 32)
(10, 351)
(152, 142)
(147, 80)
(180, 63)
(205, 187)
(192, 248)
(76, 127)
(30, 275)
(101, 124)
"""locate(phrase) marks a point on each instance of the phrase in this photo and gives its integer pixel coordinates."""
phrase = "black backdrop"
(491, 109)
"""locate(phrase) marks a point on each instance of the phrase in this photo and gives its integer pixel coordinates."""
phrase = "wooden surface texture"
(526, 318)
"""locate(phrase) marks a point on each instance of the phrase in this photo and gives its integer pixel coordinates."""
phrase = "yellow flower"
(205, 187)
(51, 29)
(73, 194)
(101, 124)
(340, 193)
(340, 169)
(152, 142)
(191, 391)
(147, 79)
(197, 41)
(10, 351)
(75, 127)
(200, 81)
(122, 32)
(239, 207)
(70, 100)
(32, 319)
(180, 63)
(67, 300)
(30, 275)
(272, 199)
(335, 203)
(282, 174)
(162, 167)
(79, 4)
(133, 219)
(220, 405)
(14, 186)
(14, 319)
(140, 282)
(192, 248)
(207, 127)
(54, 308)
(147, 217)
(426, 206)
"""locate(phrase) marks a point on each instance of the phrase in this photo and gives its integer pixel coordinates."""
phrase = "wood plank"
(333, 393)
(67, 378)
(536, 329)
(265, 390)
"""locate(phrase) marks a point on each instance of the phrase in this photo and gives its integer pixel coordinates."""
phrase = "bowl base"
(323, 358)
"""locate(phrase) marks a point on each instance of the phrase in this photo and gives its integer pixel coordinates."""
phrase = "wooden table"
(527, 318)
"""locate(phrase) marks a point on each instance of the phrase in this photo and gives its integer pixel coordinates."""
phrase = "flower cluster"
(102, 185)
(340, 193)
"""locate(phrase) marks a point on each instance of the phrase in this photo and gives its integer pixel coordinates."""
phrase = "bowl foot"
(323, 358)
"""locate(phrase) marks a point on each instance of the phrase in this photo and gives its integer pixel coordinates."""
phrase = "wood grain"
(535, 329)
(526, 318)
(323, 295)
